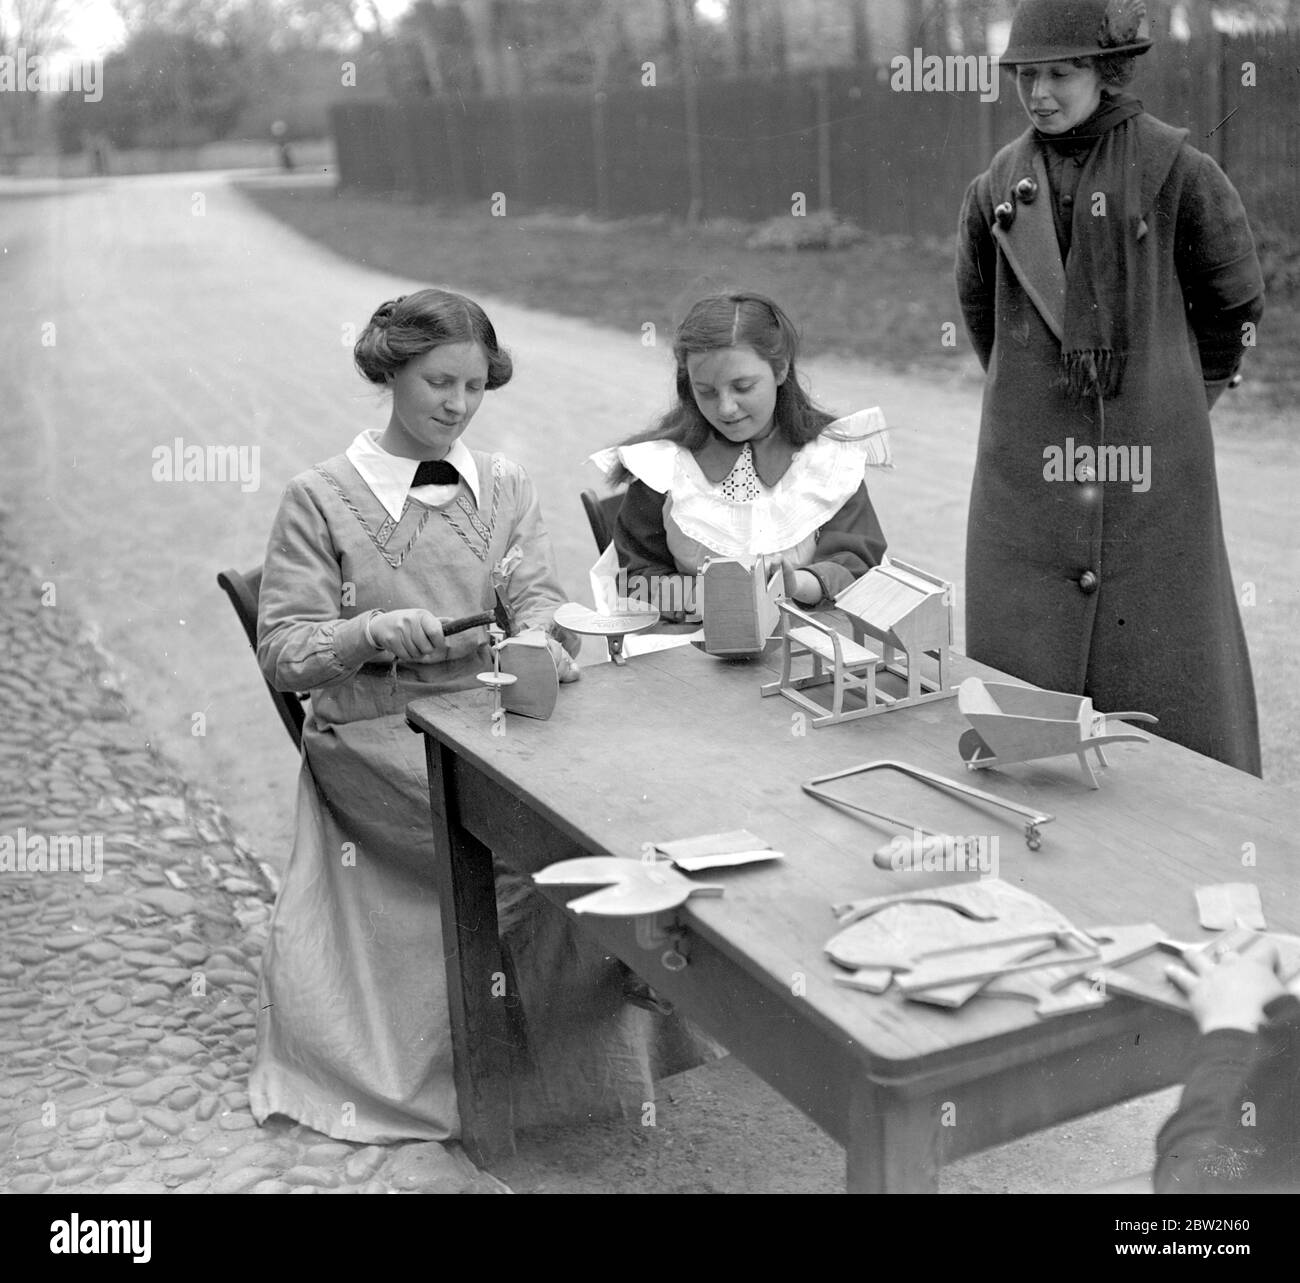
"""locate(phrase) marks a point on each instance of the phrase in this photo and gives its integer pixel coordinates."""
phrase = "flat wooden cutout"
(899, 931)
(629, 888)
(1229, 904)
(1035, 987)
(867, 979)
(1145, 978)
(528, 659)
(996, 960)
(1062, 989)
(986, 962)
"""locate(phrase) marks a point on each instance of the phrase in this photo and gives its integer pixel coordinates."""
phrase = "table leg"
(894, 1143)
(476, 975)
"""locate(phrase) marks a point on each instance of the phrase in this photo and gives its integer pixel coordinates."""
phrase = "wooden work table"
(676, 744)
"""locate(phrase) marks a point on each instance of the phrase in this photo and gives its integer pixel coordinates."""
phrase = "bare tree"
(34, 29)
(35, 26)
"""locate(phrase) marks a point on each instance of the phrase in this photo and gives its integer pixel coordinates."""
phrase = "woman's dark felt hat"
(1057, 30)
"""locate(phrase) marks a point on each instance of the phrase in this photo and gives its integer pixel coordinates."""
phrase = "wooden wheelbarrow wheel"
(975, 751)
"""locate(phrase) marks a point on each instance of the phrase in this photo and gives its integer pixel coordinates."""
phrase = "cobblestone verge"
(132, 921)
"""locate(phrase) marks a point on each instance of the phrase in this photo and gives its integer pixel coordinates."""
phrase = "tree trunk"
(861, 33)
(740, 15)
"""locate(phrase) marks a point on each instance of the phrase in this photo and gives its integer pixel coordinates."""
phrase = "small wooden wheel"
(497, 679)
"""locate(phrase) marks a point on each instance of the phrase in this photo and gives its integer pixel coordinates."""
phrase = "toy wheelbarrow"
(1020, 723)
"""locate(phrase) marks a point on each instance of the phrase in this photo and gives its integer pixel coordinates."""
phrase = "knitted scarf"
(1100, 285)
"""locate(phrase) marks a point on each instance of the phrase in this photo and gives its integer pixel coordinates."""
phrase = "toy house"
(738, 605)
(907, 612)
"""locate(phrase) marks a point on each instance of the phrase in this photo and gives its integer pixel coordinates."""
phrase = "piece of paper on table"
(1228, 904)
(634, 644)
(728, 843)
(604, 582)
(648, 643)
(724, 860)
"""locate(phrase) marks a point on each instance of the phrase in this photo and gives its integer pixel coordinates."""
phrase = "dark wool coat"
(1088, 584)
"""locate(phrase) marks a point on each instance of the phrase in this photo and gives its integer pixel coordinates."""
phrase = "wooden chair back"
(243, 590)
(602, 513)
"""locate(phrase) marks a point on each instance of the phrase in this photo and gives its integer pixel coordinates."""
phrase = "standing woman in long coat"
(1109, 284)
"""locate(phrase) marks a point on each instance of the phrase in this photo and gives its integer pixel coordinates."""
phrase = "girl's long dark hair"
(739, 319)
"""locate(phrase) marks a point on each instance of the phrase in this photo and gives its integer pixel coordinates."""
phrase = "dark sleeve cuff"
(1283, 1010)
(833, 579)
(639, 535)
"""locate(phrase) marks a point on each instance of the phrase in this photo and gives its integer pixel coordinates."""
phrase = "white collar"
(821, 478)
(389, 476)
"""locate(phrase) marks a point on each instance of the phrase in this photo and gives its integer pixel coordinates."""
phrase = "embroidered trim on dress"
(380, 537)
(465, 504)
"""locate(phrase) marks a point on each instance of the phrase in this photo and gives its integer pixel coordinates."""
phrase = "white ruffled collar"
(821, 479)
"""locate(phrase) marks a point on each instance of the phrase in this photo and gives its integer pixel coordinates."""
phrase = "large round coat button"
(1088, 581)
(1026, 190)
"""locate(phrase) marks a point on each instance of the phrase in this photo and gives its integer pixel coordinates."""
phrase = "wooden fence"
(892, 161)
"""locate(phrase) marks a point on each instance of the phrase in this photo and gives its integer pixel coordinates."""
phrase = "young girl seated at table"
(744, 464)
(370, 552)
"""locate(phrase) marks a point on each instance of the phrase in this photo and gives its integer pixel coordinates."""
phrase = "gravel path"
(128, 968)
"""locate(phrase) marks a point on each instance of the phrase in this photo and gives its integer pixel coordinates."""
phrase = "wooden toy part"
(1021, 724)
(629, 888)
(855, 910)
(578, 618)
(1145, 977)
(979, 963)
(900, 931)
(739, 605)
(906, 611)
(1057, 989)
(536, 686)
(989, 963)
(1033, 986)
(867, 979)
(1225, 905)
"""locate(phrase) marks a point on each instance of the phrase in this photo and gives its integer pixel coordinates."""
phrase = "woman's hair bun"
(384, 312)
(412, 324)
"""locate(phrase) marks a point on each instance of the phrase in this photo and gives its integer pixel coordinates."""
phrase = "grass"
(887, 300)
